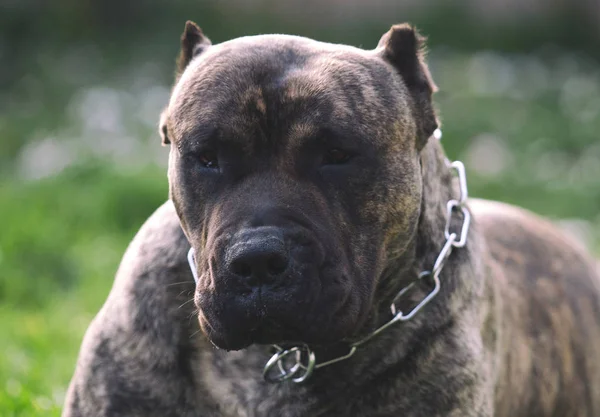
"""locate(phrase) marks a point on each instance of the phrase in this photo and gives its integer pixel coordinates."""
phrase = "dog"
(341, 269)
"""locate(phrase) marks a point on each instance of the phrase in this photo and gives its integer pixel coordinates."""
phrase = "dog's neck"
(421, 252)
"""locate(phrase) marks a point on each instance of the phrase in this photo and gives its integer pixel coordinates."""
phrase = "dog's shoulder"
(534, 250)
(157, 254)
(547, 297)
(520, 229)
(153, 280)
(135, 350)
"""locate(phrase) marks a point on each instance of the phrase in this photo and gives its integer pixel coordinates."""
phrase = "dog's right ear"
(193, 43)
(404, 48)
(162, 129)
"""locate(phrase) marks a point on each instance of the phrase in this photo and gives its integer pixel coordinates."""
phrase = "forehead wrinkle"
(251, 97)
(352, 84)
(195, 106)
(358, 98)
(207, 87)
(300, 130)
(246, 110)
(301, 84)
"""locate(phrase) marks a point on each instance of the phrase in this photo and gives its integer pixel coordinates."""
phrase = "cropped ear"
(193, 43)
(404, 48)
(162, 129)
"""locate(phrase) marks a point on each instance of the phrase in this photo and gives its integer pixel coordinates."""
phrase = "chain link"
(298, 370)
(455, 206)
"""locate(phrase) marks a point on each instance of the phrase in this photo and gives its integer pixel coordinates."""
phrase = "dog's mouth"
(301, 313)
(262, 333)
(269, 332)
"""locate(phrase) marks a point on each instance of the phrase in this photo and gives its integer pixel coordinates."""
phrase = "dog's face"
(294, 169)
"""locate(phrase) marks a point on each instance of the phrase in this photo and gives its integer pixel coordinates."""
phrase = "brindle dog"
(305, 177)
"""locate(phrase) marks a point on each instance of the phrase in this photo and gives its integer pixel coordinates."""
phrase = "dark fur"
(514, 331)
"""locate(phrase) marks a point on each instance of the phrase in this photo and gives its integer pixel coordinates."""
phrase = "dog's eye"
(336, 157)
(209, 159)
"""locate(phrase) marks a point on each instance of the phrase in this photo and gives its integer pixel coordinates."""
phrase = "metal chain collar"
(297, 363)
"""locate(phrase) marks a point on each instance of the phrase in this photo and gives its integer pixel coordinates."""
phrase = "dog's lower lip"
(260, 332)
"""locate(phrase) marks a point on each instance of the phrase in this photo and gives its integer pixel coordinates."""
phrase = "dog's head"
(294, 168)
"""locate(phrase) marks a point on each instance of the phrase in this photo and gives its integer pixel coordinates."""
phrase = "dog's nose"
(259, 255)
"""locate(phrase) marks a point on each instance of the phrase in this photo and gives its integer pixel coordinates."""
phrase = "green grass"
(39, 349)
(61, 244)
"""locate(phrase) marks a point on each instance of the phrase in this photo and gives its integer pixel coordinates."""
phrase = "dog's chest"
(231, 385)
(248, 399)
(235, 387)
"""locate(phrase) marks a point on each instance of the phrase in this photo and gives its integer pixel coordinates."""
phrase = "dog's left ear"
(404, 48)
(193, 43)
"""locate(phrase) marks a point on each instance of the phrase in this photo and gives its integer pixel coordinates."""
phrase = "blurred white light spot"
(13, 387)
(98, 109)
(44, 158)
(490, 74)
(579, 98)
(533, 76)
(43, 403)
(58, 396)
(551, 166)
(586, 169)
(488, 155)
(18, 359)
(151, 102)
(564, 67)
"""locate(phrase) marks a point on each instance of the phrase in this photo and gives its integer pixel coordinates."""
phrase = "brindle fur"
(514, 332)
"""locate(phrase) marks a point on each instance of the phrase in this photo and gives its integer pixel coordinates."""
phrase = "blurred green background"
(82, 83)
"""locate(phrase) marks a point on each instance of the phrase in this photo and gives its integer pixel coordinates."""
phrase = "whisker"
(185, 303)
(184, 292)
(193, 314)
(179, 283)
(195, 333)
